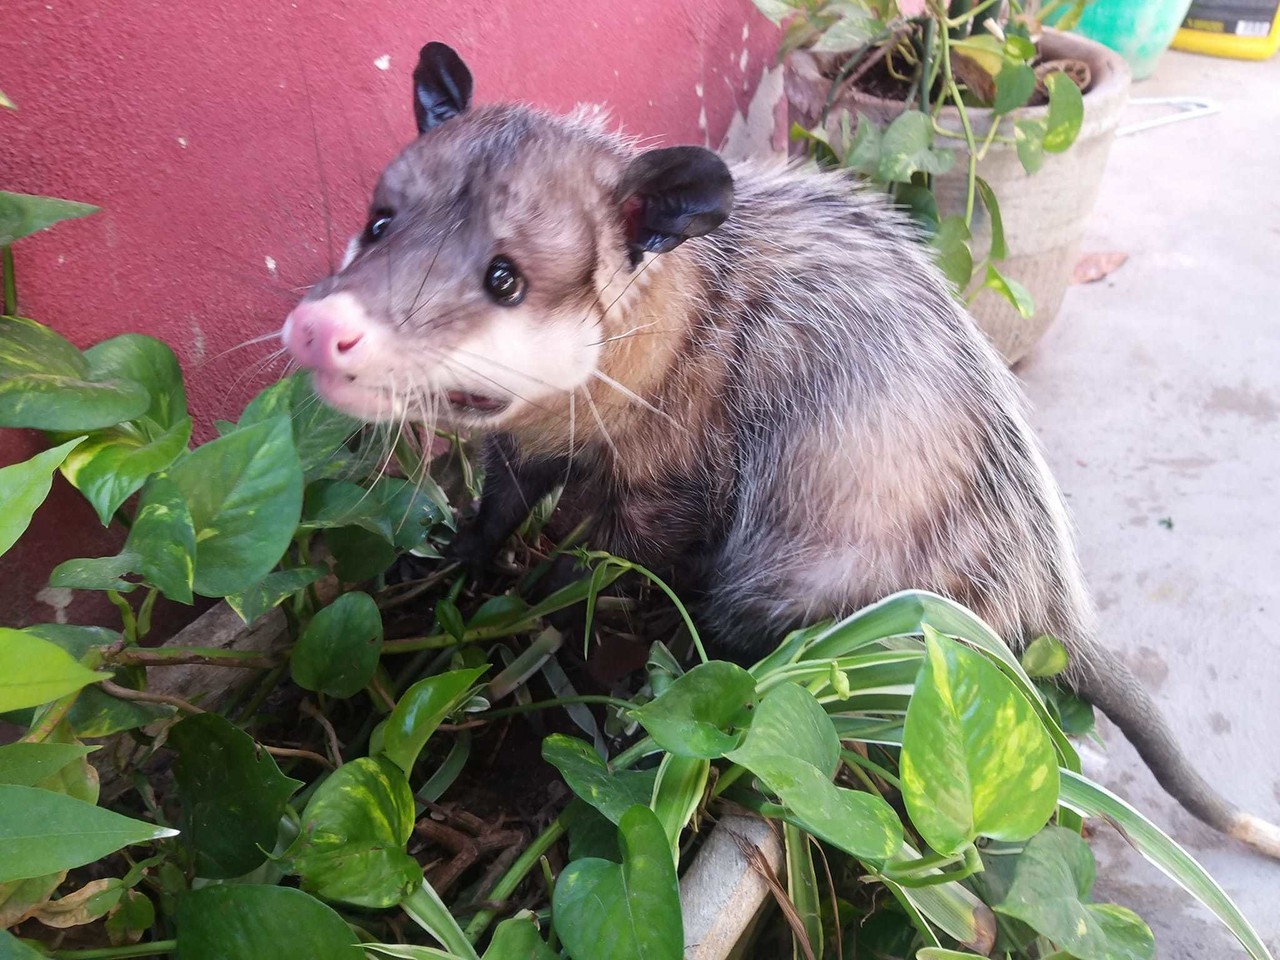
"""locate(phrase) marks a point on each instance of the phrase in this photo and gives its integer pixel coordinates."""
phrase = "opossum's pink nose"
(324, 335)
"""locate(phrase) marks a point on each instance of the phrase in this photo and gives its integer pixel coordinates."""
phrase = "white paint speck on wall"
(59, 598)
(182, 142)
(383, 62)
(197, 339)
(271, 265)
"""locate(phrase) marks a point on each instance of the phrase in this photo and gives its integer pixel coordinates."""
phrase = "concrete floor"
(1157, 393)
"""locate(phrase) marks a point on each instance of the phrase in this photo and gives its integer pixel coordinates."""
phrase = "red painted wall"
(226, 140)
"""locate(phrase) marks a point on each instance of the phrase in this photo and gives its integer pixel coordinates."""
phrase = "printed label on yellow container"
(1247, 29)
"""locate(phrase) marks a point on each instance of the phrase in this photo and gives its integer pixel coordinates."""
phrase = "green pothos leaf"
(23, 487)
(1014, 292)
(22, 214)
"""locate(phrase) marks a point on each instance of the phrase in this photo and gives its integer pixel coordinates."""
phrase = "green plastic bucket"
(1138, 30)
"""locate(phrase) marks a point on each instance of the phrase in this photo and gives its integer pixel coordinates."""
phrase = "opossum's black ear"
(673, 194)
(441, 86)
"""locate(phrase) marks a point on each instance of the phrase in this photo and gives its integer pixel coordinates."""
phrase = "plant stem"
(154, 949)
(926, 62)
(142, 696)
(10, 281)
(873, 46)
(727, 779)
(127, 617)
(506, 886)
(263, 691)
(56, 713)
(950, 87)
(558, 702)
(970, 14)
(989, 138)
(632, 755)
(858, 760)
(175, 656)
(435, 641)
(972, 186)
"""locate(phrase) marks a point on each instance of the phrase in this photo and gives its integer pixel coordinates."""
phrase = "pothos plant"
(943, 63)
(904, 750)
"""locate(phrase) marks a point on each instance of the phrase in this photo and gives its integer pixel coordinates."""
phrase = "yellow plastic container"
(1243, 29)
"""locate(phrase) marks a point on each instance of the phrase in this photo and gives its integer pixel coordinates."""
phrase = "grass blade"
(677, 791)
(802, 887)
(1091, 800)
(427, 910)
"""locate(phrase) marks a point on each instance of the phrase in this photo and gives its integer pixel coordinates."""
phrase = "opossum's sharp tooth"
(475, 402)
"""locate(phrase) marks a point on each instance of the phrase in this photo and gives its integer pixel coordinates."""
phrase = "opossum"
(752, 376)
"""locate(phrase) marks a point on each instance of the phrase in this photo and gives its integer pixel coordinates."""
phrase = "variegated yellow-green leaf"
(354, 831)
(96, 573)
(1045, 656)
(148, 361)
(95, 712)
(907, 148)
(1052, 879)
(163, 537)
(1014, 85)
(976, 760)
(1019, 297)
(272, 589)
(1066, 113)
(112, 464)
(47, 384)
(395, 509)
(115, 462)
(789, 722)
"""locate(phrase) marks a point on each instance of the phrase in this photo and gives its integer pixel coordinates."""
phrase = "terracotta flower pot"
(1044, 213)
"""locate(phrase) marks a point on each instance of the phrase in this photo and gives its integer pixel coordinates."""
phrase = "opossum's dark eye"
(377, 226)
(504, 282)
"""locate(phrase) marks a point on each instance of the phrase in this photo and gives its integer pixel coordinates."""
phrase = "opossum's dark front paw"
(471, 550)
(571, 621)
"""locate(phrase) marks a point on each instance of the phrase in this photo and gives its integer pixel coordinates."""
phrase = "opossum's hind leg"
(1111, 687)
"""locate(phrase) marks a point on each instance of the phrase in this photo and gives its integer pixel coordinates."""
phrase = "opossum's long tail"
(1112, 688)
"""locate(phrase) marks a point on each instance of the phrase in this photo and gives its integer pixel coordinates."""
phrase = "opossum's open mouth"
(465, 402)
